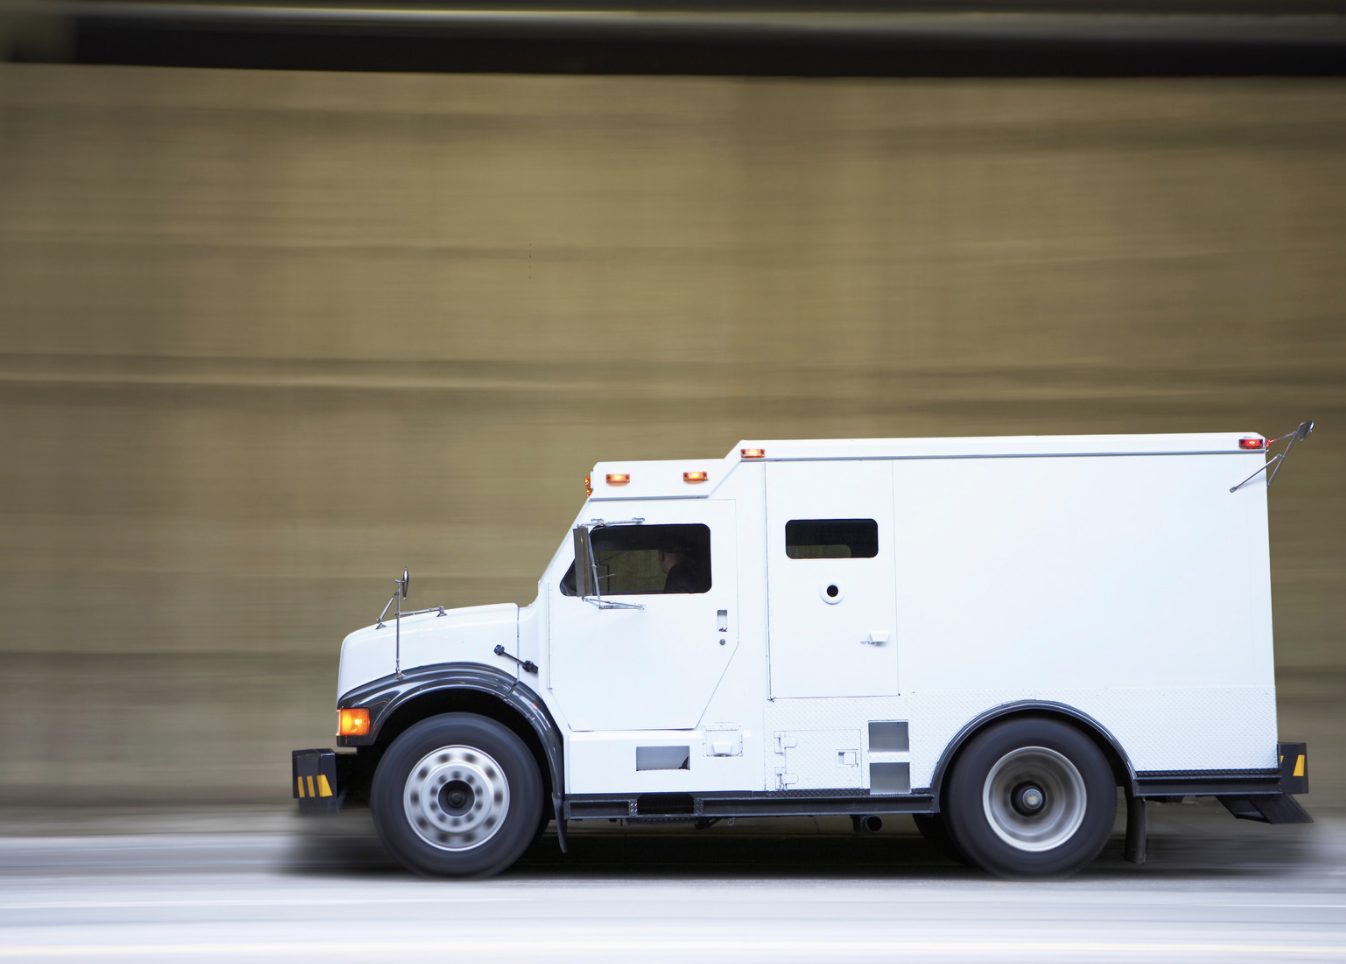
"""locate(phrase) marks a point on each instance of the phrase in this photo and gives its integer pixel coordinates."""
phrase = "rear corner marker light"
(353, 722)
(752, 453)
(694, 476)
(618, 478)
(588, 485)
(1252, 444)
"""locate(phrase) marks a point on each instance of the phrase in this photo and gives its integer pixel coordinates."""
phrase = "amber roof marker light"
(752, 453)
(618, 478)
(694, 476)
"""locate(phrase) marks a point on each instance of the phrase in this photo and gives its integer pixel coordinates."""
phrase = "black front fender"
(385, 696)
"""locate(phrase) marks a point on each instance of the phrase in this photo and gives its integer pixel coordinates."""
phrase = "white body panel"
(832, 621)
(1114, 575)
(468, 635)
(656, 667)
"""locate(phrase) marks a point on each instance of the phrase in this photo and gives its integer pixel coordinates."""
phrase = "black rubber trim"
(1030, 706)
(1208, 783)
(384, 697)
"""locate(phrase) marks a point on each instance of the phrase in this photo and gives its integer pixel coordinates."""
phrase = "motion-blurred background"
(267, 336)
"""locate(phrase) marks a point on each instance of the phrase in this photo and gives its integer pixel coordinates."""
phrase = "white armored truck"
(993, 635)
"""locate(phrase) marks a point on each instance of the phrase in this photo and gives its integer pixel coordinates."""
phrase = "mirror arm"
(386, 606)
(399, 593)
(586, 567)
(1301, 432)
(602, 603)
(593, 568)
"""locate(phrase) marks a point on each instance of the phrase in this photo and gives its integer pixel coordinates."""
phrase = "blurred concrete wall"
(265, 338)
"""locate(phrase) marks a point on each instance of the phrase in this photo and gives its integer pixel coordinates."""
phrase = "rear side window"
(644, 559)
(831, 538)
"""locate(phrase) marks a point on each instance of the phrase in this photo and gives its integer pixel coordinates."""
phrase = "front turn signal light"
(353, 722)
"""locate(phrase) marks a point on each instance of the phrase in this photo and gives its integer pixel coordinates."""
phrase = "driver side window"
(645, 559)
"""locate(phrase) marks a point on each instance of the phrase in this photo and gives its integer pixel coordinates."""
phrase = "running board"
(684, 806)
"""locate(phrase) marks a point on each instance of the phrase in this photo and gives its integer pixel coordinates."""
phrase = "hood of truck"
(467, 635)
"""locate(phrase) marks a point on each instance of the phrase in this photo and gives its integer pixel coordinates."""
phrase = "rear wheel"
(1031, 797)
(457, 795)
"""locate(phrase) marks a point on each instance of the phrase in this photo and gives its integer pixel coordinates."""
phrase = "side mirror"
(584, 563)
(404, 582)
(1303, 431)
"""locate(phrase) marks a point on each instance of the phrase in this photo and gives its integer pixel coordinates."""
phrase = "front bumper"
(316, 781)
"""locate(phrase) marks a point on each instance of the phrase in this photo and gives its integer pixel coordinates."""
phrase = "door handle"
(875, 639)
(722, 620)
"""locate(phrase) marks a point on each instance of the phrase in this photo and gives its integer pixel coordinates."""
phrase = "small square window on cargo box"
(831, 538)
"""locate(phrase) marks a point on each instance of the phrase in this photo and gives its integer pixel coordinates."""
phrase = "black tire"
(457, 795)
(998, 821)
(542, 825)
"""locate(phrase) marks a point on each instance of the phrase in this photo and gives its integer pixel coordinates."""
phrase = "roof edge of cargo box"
(700, 478)
(1006, 446)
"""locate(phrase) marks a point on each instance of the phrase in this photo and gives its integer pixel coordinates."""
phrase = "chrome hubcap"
(1034, 798)
(456, 798)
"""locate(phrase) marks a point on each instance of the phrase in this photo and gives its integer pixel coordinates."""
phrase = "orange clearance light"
(694, 476)
(1252, 443)
(752, 453)
(588, 486)
(353, 722)
(618, 478)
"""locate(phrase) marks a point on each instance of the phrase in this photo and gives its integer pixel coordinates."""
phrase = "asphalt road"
(167, 887)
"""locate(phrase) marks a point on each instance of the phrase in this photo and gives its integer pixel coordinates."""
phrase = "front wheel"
(457, 795)
(1031, 797)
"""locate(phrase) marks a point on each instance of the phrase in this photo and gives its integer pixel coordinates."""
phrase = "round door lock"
(832, 594)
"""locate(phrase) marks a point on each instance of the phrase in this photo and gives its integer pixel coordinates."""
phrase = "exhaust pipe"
(867, 824)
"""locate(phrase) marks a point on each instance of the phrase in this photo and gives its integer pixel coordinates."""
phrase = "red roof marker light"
(1252, 444)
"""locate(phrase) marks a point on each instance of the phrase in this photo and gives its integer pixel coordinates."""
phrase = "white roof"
(665, 478)
(998, 445)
